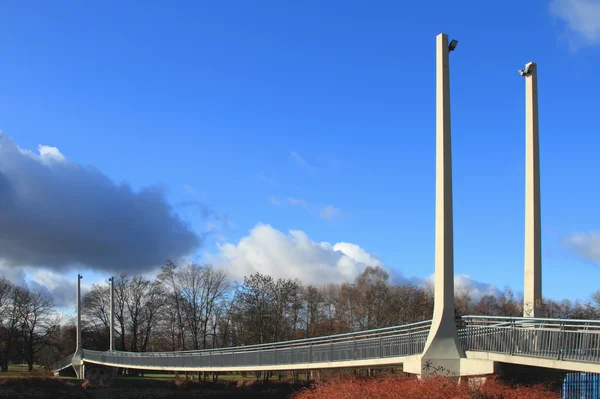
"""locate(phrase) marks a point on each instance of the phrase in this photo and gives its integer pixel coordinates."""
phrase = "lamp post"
(79, 341)
(112, 313)
(77, 360)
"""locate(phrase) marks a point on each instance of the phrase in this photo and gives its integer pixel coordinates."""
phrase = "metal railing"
(560, 339)
(62, 363)
(574, 340)
(381, 343)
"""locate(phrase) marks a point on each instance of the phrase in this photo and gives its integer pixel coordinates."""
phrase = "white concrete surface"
(532, 297)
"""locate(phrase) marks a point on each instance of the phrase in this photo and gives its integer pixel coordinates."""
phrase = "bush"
(412, 388)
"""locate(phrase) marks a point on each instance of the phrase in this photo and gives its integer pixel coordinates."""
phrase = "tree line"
(196, 306)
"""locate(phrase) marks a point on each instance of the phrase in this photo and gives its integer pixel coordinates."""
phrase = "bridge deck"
(572, 345)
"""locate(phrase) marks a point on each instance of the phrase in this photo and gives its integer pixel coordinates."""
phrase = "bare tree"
(410, 304)
(254, 309)
(313, 309)
(154, 302)
(170, 280)
(143, 300)
(373, 290)
(487, 306)
(215, 289)
(8, 322)
(462, 299)
(37, 322)
(120, 298)
(96, 314)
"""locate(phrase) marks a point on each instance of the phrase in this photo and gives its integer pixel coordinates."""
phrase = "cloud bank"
(294, 255)
(57, 214)
(582, 19)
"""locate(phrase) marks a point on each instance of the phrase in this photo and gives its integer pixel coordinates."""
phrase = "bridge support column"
(443, 351)
(443, 354)
(532, 293)
(77, 361)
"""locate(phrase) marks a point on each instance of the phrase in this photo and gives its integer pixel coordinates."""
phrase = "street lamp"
(452, 45)
(527, 71)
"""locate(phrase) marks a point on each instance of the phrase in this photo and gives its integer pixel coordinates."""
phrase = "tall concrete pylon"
(77, 361)
(443, 354)
(442, 342)
(532, 292)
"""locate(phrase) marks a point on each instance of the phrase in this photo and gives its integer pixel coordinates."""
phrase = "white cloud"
(274, 201)
(50, 154)
(584, 245)
(330, 211)
(324, 212)
(293, 255)
(477, 289)
(298, 202)
(462, 282)
(62, 288)
(302, 162)
(267, 180)
(582, 19)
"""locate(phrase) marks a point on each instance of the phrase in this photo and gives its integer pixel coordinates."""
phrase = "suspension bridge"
(468, 346)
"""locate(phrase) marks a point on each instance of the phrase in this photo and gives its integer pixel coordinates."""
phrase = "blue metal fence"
(581, 386)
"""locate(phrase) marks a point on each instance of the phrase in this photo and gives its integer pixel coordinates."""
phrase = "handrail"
(530, 319)
(295, 342)
(62, 363)
(385, 343)
(557, 339)
(560, 339)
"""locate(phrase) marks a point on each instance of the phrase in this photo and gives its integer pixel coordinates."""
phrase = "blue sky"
(316, 117)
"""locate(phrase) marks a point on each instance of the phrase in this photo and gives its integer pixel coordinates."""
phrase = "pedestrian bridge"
(566, 345)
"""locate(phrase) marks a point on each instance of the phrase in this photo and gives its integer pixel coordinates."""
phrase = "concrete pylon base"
(425, 367)
(78, 365)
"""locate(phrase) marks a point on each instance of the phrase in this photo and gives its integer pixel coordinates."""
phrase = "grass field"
(21, 371)
(18, 370)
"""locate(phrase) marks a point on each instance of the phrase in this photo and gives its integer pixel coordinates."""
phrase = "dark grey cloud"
(58, 214)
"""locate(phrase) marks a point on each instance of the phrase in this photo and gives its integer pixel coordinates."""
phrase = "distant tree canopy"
(29, 326)
(197, 307)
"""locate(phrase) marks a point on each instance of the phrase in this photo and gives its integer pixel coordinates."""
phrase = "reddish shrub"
(412, 388)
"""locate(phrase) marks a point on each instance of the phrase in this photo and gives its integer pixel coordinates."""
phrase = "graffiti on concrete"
(431, 369)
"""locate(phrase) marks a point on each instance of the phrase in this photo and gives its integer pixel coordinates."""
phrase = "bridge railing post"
(561, 338)
(380, 346)
(331, 350)
(513, 336)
